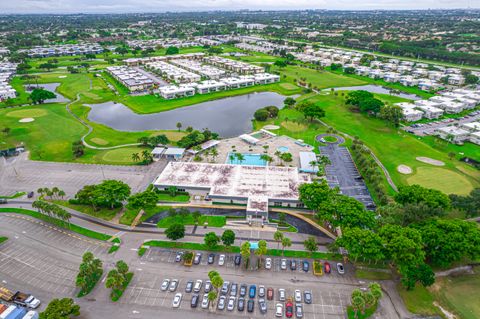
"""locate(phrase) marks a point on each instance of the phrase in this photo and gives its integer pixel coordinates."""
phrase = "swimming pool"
(283, 149)
(249, 159)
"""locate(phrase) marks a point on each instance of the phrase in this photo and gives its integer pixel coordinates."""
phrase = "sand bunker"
(404, 169)
(271, 127)
(430, 161)
(26, 120)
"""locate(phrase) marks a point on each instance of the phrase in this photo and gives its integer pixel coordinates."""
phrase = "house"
(429, 111)
(173, 91)
(266, 78)
(391, 77)
(452, 134)
(471, 127)
(410, 114)
(475, 137)
(408, 80)
(209, 86)
(452, 107)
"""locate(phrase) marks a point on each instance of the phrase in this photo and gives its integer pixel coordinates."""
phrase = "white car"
(340, 268)
(231, 303)
(261, 291)
(221, 302)
(283, 264)
(205, 301)
(176, 300)
(281, 294)
(221, 260)
(268, 263)
(173, 285)
(198, 285)
(279, 310)
(165, 284)
(298, 296)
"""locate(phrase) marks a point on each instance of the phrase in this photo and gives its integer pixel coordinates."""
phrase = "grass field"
(372, 275)
(176, 198)
(442, 179)
(419, 300)
(27, 113)
(103, 213)
(213, 221)
(129, 214)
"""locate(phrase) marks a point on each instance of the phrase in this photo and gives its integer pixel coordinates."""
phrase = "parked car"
(208, 286)
(238, 260)
(205, 301)
(173, 285)
(221, 302)
(268, 263)
(305, 266)
(279, 310)
(194, 302)
(281, 294)
(298, 296)
(289, 309)
(30, 194)
(3, 201)
(189, 286)
(250, 305)
(234, 289)
(340, 268)
(293, 264)
(231, 303)
(176, 300)
(241, 304)
(221, 260)
(165, 284)
(283, 264)
(179, 256)
(299, 310)
(270, 294)
(307, 296)
(225, 288)
(211, 259)
(262, 305)
(198, 285)
(327, 268)
(197, 259)
(243, 290)
(252, 291)
(261, 291)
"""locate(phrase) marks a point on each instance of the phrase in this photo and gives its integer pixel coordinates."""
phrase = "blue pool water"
(250, 159)
(283, 149)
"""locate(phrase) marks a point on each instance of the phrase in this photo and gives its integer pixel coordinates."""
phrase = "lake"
(376, 89)
(228, 117)
(50, 87)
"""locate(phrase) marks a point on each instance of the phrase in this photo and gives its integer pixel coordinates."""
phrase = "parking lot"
(343, 173)
(423, 129)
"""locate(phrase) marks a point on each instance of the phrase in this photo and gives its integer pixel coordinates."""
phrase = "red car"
(327, 267)
(289, 309)
(270, 293)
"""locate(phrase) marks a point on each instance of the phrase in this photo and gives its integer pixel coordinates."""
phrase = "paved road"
(43, 261)
(343, 173)
(20, 174)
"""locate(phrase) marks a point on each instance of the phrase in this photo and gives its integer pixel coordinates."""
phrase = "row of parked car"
(228, 297)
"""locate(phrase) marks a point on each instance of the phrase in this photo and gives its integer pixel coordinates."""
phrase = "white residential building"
(173, 91)
(453, 134)
(475, 137)
(471, 127)
(410, 114)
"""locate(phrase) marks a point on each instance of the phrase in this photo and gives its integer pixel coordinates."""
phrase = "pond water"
(49, 87)
(228, 117)
(376, 89)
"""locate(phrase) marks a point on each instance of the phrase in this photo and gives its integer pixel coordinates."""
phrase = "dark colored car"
(241, 304)
(211, 258)
(262, 305)
(307, 297)
(327, 268)
(3, 201)
(270, 294)
(30, 194)
(250, 305)
(293, 265)
(252, 291)
(305, 266)
(289, 309)
(189, 286)
(194, 302)
(238, 260)
(243, 290)
(179, 256)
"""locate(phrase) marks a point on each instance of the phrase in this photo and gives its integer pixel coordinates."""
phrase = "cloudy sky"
(124, 6)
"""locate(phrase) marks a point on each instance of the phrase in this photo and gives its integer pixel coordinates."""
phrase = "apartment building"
(134, 80)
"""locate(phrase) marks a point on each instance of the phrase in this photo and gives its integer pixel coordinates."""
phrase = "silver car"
(176, 300)
(283, 264)
(221, 302)
(281, 294)
(231, 303)
(165, 284)
(205, 301)
(173, 285)
(261, 291)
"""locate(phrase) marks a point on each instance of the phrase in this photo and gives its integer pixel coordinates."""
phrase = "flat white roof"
(236, 181)
(174, 151)
(305, 159)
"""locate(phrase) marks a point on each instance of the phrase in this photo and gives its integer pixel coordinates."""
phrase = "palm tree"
(147, 157)
(358, 303)
(179, 126)
(240, 157)
(231, 158)
(214, 153)
(286, 242)
(212, 296)
(135, 157)
(261, 250)
(278, 237)
(278, 154)
(266, 158)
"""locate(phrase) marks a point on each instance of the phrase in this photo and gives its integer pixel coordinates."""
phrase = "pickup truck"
(26, 300)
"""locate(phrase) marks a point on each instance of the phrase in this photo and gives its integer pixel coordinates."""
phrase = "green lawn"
(3, 239)
(103, 213)
(213, 221)
(372, 275)
(16, 195)
(419, 300)
(129, 214)
(176, 198)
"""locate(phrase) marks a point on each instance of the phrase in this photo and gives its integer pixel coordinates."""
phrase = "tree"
(261, 115)
(310, 244)
(280, 63)
(278, 236)
(115, 280)
(422, 273)
(47, 66)
(90, 271)
(361, 243)
(63, 308)
(228, 237)
(179, 126)
(289, 102)
(135, 157)
(175, 231)
(392, 114)
(358, 303)
(372, 105)
(418, 194)
(470, 203)
(172, 50)
(316, 195)
(261, 250)
(286, 242)
(38, 96)
(212, 296)
(211, 240)
(402, 245)
(407, 214)
(245, 252)
(111, 192)
(121, 50)
(311, 110)
(143, 200)
(471, 79)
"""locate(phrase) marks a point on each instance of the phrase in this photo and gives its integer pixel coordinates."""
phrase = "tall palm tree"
(286, 242)
(135, 157)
